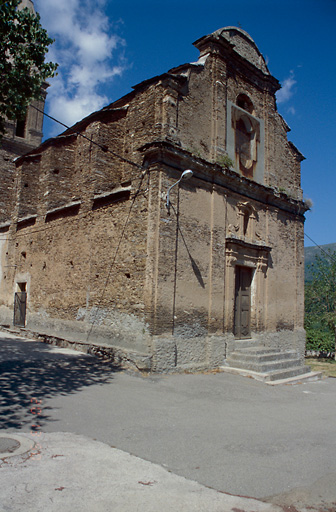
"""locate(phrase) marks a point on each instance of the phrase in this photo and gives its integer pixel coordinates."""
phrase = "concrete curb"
(74, 473)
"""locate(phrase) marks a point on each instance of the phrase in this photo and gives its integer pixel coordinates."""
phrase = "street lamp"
(186, 175)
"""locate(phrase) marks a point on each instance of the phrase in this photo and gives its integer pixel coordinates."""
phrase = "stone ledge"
(115, 355)
(264, 377)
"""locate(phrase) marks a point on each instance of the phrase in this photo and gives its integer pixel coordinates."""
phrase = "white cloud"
(88, 54)
(69, 110)
(287, 89)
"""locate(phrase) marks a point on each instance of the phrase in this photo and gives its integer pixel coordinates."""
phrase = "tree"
(23, 70)
(320, 303)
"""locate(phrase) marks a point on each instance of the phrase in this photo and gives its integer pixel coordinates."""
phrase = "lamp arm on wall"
(184, 176)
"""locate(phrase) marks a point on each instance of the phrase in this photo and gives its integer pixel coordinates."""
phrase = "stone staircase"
(268, 365)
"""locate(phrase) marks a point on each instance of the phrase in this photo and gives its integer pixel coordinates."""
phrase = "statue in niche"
(247, 135)
(246, 147)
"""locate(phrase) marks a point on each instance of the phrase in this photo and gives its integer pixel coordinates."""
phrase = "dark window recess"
(245, 103)
(246, 222)
(22, 286)
(4, 229)
(67, 211)
(114, 197)
(25, 223)
(21, 127)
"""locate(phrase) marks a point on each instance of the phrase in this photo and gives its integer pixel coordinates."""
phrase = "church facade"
(108, 245)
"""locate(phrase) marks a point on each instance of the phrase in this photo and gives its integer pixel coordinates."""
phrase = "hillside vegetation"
(320, 297)
(311, 252)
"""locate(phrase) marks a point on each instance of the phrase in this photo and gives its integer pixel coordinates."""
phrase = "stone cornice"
(250, 245)
(170, 155)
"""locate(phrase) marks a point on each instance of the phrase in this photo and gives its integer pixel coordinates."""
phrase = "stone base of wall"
(125, 345)
(177, 354)
(129, 344)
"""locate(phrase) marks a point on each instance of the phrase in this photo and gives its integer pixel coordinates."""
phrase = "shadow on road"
(31, 372)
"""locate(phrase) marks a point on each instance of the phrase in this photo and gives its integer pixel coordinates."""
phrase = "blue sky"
(105, 47)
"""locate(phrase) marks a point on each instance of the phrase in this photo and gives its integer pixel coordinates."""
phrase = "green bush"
(320, 339)
(320, 303)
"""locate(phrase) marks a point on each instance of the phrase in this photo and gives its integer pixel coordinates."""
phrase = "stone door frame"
(256, 257)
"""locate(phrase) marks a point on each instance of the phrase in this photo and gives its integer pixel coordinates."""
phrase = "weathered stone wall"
(13, 146)
(85, 267)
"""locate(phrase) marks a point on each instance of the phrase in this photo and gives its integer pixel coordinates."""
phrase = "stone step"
(286, 374)
(264, 366)
(292, 376)
(261, 355)
(248, 343)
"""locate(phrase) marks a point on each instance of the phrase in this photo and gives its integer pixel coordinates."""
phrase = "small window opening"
(246, 222)
(22, 287)
(244, 102)
(21, 127)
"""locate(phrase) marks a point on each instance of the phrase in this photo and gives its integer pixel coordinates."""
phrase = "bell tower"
(21, 136)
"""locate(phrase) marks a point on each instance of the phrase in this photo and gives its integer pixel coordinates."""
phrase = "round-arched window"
(244, 102)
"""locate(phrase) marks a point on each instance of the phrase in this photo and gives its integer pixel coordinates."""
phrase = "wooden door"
(20, 305)
(242, 317)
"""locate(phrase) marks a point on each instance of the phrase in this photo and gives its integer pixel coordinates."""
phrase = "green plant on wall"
(225, 161)
(195, 152)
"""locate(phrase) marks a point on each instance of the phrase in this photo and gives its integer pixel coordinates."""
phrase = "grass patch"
(327, 366)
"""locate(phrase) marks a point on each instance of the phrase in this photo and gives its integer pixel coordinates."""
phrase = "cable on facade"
(113, 262)
(102, 147)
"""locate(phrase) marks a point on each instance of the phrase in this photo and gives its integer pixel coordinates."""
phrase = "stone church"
(108, 244)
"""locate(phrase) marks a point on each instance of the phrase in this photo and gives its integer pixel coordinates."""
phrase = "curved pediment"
(243, 44)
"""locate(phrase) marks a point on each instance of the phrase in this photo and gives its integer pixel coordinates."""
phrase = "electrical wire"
(100, 300)
(105, 149)
(321, 249)
(102, 147)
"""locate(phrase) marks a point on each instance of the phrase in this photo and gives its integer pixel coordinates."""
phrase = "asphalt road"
(228, 432)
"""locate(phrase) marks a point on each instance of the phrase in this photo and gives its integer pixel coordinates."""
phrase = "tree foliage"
(320, 303)
(24, 44)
